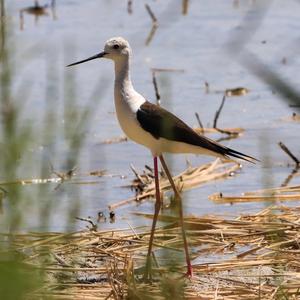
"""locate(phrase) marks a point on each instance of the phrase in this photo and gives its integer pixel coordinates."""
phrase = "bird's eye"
(116, 46)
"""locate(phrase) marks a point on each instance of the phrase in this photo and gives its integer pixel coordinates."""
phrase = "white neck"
(122, 75)
(124, 91)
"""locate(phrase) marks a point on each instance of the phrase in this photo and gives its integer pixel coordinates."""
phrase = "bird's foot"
(148, 270)
(189, 273)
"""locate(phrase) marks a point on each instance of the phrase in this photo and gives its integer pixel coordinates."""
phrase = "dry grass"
(284, 193)
(190, 178)
(248, 257)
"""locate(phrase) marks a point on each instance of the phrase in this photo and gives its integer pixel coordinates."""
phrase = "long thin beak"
(99, 55)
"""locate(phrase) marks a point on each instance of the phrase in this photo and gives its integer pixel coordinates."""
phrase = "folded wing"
(161, 123)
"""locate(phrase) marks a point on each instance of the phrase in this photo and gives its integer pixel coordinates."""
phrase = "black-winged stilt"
(155, 128)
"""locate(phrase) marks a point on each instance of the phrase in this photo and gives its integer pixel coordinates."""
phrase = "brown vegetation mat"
(191, 177)
(249, 257)
(283, 193)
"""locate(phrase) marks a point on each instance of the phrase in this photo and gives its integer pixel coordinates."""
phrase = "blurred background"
(55, 121)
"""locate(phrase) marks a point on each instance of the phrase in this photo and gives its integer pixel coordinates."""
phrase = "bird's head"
(116, 48)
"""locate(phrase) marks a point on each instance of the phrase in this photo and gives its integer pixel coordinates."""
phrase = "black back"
(161, 123)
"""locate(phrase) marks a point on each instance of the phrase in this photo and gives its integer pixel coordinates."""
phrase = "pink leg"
(156, 211)
(181, 220)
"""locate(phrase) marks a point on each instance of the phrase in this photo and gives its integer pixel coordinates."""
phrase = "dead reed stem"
(289, 153)
(218, 112)
(290, 193)
(188, 179)
(250, 256)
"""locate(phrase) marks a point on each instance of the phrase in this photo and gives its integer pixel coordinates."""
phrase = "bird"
(157, 129)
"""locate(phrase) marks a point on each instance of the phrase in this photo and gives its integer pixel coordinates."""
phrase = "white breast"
(127, 104)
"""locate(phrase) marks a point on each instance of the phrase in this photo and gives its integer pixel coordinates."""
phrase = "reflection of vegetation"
(237, 48)
(15, 277)
(2, 27)
(15, 137)
(276, 82)
(19, 135)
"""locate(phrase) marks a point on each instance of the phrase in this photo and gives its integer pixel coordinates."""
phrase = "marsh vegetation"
(76, 197)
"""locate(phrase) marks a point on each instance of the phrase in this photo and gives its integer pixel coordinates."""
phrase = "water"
(195, 43)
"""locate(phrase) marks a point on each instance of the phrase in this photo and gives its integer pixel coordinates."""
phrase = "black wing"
(161, 123)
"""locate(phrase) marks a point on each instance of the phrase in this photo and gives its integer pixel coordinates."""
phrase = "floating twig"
(291, 193)
(185, 6)
(217, 115)
(221, 199)
(115, 140)
(64, 176)
(157, 95)
(167, 70)
(239, 91)
(218, 112)
(289, 178)
(151, 34)
(137, 174)
(89, 220)
(229, 131)
(98, 173)
(206, 84)
(154, 80)
(199, 122)
(154, 24)
(129, 7)
(295, 159)
(151, 14)
(289, 153)
(224, 131)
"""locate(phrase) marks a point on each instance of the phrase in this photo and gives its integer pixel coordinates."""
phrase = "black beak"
(99, 55)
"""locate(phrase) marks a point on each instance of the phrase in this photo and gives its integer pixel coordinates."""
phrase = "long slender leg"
(156, 211)
(187, 256)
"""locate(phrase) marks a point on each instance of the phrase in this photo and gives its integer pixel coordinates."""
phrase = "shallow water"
(195, 43)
